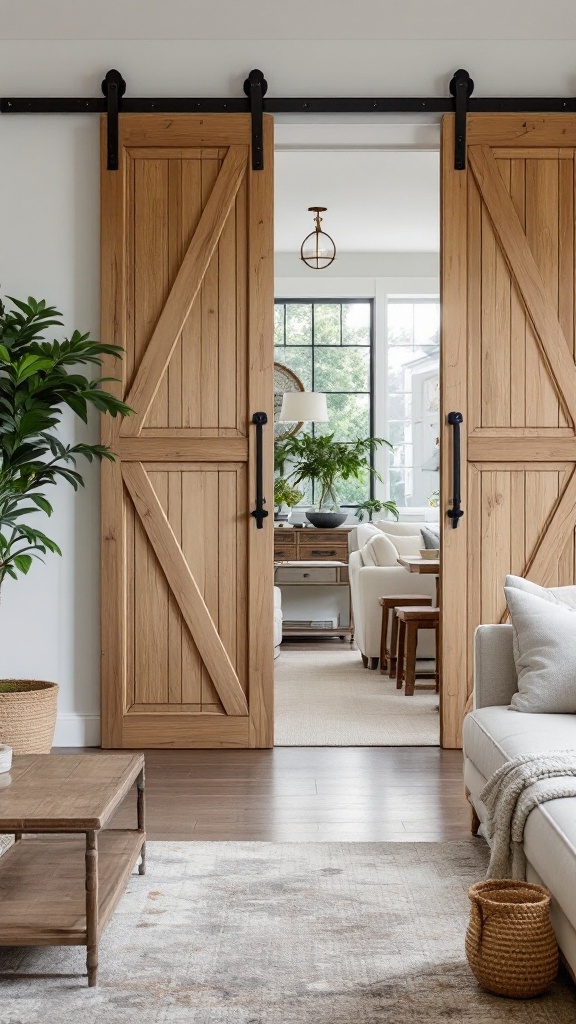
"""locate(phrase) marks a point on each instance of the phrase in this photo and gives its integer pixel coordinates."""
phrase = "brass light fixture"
(318, 250)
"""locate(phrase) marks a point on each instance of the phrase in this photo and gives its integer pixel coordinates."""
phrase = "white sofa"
(492, 735)
(277, 620)
(369, 582)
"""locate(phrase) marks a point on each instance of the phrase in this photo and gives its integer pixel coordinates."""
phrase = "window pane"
(348, 417)
(299, 360)
(426, 323)
(298, 324)
(342, 369)
(397, 486)
(327, 324)
(399, 406)
(356, 323)
(400, 323)
(279, 325)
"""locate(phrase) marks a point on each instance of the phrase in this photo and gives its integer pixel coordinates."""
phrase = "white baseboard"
(77, 731)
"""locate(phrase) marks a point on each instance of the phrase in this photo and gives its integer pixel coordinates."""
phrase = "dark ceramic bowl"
(326, 520)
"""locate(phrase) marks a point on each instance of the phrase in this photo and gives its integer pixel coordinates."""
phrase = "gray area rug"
(290, 933)
(326, 698)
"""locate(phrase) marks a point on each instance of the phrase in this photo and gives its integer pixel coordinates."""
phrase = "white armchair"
(370, 581)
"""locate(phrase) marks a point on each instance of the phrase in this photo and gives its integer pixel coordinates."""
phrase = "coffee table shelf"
(61, 889)
(42, 887)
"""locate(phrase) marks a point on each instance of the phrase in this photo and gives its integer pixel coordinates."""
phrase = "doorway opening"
(365, 332)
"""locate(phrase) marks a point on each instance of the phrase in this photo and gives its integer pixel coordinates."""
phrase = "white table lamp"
(303, 406)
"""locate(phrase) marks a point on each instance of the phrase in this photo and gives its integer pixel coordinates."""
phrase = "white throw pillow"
(364, 533)
(394, 529)
(559, 595)
(379, 551)
(408, 545)
(545, 653)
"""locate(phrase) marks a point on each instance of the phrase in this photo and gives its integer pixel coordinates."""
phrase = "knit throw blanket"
(511, 793)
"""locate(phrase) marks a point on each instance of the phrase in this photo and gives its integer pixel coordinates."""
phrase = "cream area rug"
(291, 933)
(328, 699)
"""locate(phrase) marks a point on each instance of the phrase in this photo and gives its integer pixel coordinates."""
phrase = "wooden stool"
(410, 621)
(388, 657)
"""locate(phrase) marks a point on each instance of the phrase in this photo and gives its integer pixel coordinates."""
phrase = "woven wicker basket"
(28, 715)
(510, 943)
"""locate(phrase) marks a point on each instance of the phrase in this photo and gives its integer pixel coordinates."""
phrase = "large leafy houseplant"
(38, 380)
(326, 462)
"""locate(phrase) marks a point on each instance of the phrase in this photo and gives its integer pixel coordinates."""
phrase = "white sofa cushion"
(492, 736)
(409, 545)
(496, 734)
(399, 529)
(364, 533)
(379, 550)
(545, 653)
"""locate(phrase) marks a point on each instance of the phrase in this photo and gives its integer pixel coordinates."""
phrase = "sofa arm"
(495, 679)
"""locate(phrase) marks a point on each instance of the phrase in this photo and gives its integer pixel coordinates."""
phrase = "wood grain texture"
(298, 794)
(515, 247)
(260, 277)
(187, 270)
(185, 589)
(511, 286)
(185, 288)
(455, 665)
(57, 793)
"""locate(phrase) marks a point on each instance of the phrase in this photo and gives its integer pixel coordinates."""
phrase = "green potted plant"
(372, 505)
(38, 379)
(285, 494)
(326, 462)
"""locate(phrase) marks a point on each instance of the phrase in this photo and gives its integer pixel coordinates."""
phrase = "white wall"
(49, 191)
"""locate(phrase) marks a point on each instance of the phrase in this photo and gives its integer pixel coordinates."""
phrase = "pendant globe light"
(318, 250)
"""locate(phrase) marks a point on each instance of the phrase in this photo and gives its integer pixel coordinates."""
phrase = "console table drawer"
(336, 552)
(306, 574)
(284, 553)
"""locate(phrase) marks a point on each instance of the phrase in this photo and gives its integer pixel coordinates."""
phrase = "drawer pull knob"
(306, 575)
(318, 552)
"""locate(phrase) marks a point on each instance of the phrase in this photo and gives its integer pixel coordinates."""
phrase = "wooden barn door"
(508, 346)
(187, 290)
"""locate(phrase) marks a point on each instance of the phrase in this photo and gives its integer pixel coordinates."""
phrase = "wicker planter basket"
(28, 715)
(510, 943)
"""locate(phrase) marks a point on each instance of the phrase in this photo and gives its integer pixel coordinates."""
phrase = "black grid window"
(328, 343)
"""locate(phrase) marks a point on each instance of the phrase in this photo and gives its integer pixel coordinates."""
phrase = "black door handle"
(259, 513)
(455, 513)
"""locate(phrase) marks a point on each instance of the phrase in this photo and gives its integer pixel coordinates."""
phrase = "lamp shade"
(303, 406)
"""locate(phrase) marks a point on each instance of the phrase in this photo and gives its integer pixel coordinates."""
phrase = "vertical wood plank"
(495, 543)
(175, 627)
(517, 312)
(475, 307)
(191, 337)
(151, 613)
(227, 327)
(454, 624)
(113, 327)
(175, 253)
(260, 279)
(566, 267)
(193, 525)
(211, 543)
(209, 404)
(151, 265)
(542, 235)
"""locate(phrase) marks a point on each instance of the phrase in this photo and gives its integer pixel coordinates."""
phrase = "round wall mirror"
(284, 380)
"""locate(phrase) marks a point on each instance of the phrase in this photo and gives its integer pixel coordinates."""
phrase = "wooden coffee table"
(63, 891)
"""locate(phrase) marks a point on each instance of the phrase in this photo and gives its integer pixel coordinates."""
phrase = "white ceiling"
(377, 200)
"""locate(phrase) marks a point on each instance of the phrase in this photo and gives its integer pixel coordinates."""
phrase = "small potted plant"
(285, 494)
(372, 505)
(326, 462)
(38, 379)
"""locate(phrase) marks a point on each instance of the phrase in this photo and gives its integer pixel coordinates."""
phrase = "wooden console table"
(308, 544)
(62, 892)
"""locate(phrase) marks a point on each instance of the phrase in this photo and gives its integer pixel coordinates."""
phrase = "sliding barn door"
(187, 578)
(508, 346)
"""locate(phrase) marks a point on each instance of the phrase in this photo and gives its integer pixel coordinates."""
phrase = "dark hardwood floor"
(304, 794)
